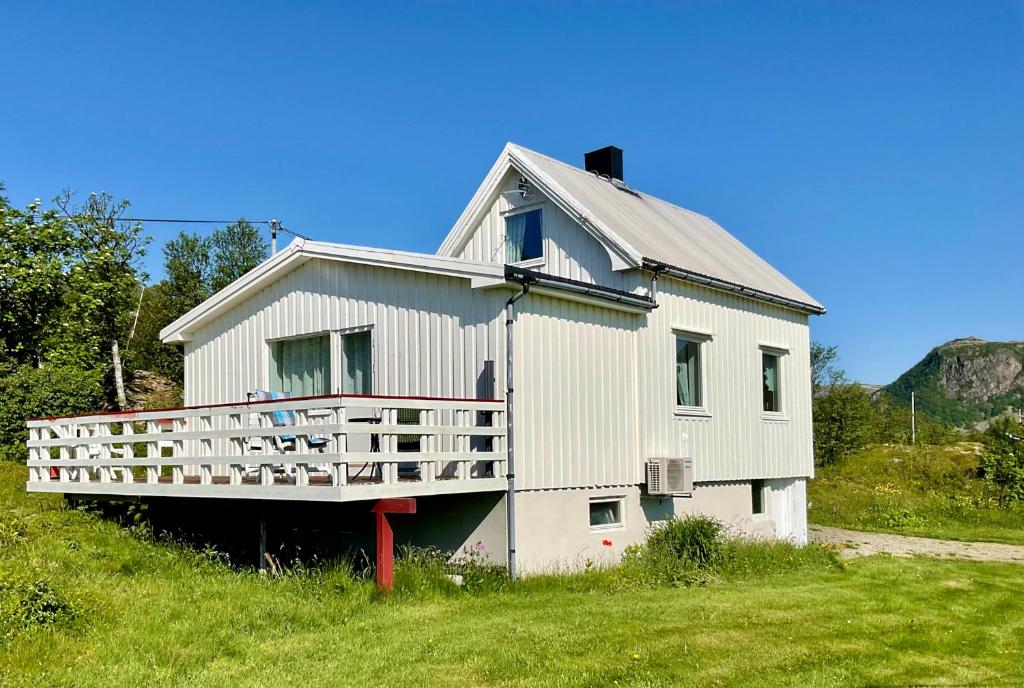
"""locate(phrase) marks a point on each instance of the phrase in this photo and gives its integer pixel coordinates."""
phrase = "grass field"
(86, 603)
(924, 490)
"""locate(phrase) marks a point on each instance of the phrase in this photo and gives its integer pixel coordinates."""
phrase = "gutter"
(725, 285)
(540, 279)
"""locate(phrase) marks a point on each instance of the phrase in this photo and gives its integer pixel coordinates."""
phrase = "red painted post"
(386, 538)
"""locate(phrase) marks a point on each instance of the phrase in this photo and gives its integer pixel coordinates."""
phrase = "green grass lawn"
(924, 490)
(150, 614)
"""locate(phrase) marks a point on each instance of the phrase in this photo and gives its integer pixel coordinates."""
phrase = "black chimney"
(605, 161)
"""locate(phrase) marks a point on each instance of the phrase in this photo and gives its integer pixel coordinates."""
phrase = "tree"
(197, 267)
(822, 370)
(34, 254)
(237, 249)
(105, 278)
(1002, 463)
(843, 421)
(187, 262)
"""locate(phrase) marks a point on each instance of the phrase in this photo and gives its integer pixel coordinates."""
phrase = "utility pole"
(913, 419)
(274, 226)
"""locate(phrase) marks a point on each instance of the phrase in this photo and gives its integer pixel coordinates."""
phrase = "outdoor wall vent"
(670, 476)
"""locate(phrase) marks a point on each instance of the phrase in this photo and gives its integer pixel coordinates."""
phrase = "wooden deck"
(332, 448)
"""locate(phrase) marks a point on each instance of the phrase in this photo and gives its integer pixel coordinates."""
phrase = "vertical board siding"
(736, 441)
(431, 334)
(575, 413)
(569, 251)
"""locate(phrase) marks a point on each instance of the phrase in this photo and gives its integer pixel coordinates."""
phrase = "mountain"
(964, 381)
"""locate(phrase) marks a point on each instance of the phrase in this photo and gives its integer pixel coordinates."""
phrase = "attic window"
(524, 240)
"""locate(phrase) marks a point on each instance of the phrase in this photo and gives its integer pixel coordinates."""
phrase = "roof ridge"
(643, 194)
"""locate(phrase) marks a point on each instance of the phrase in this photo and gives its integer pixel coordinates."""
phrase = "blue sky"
(874, 152)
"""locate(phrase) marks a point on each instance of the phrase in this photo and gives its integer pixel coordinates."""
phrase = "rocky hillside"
(965, 381)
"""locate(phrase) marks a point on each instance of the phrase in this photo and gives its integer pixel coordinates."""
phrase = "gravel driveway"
(855, 543)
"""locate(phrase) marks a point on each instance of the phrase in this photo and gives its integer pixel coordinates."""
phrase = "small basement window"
(524, 240)
(606, 512)
(757, 497)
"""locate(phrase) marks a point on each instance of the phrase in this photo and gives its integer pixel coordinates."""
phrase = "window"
(688, 373)
(356, 363)
(756, 497)
(606, 512)
(523, 238)
(772, 401)
(301, 367)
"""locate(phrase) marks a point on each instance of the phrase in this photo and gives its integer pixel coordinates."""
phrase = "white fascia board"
(482, 273)
(299, 252)
(623, 256)
(458, 235)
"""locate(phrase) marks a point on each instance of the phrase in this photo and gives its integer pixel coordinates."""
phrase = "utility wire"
(281, 227)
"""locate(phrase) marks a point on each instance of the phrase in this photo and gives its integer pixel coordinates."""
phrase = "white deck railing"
(361, 446)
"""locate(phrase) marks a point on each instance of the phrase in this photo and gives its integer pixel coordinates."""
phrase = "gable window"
(524, 240)
(301, 367)
(605, 512)
(770, 382)
(689, 382)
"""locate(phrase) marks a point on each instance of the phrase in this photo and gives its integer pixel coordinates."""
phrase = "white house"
(634, 330)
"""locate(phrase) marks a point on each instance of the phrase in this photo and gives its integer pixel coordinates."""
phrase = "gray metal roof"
(662, 232)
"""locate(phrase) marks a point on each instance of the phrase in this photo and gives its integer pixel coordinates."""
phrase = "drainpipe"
(510, 496)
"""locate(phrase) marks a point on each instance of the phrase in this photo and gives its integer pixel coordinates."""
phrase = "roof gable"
(634, 227)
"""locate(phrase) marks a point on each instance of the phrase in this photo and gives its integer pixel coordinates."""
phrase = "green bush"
(1002, 462)
(678, 551)
(694, 550)
(40, 392)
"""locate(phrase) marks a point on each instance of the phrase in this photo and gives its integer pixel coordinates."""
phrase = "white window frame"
(268, 348)
(616, 499)
(336, 355)
(532, 262)
(781, 355)
(701, 339)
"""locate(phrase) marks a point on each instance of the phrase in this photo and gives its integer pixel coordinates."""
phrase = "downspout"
(510, 495)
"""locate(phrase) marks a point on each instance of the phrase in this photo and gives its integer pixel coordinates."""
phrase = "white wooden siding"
(595, 386)
(736, 441)
(431, 334)
(569, 251)
(576, 395)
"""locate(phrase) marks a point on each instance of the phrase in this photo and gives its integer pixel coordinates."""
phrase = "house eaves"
(300, 252)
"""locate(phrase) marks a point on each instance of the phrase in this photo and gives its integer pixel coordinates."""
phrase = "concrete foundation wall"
(554, 532)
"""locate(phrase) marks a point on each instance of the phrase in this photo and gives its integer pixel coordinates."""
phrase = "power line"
(268, 223)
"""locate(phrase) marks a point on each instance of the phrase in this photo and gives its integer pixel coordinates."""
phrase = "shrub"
(678, 551)
(40, 392)
(694, 550)
(1002, 462)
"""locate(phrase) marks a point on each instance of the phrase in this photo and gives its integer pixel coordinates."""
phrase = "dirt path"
(855, 543)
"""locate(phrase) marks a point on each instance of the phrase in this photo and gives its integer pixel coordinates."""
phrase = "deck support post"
(386, 537)
(263, 542)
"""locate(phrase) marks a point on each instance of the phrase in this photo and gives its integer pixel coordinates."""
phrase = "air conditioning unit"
(669, 476)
